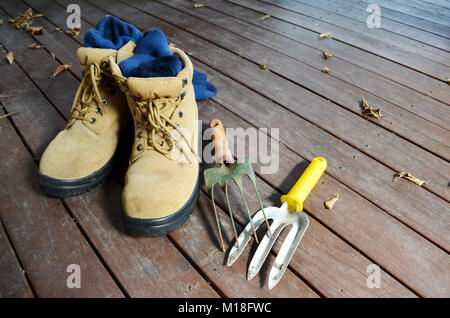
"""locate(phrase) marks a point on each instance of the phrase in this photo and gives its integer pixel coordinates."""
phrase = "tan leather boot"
(162, 181)
(80, 157)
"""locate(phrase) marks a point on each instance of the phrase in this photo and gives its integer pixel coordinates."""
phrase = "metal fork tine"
(217, 219)
(244, 238)
(231, 212)
(264, 249)
(287, 251)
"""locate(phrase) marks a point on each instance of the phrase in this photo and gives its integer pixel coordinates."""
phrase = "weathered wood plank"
(419, 23)
(374, 34)
(333, 89)
(43, 234)
(388, 51)
(145, 267)
(341, 8)
(13, 283)
(418, 9)
(365, 60)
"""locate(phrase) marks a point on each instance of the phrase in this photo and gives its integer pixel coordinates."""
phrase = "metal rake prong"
(262, 209)
(264, 249)
(247, 210)
(231, 212)
(217, 219)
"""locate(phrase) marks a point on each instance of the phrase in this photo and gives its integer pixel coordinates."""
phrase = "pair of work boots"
(162, 180)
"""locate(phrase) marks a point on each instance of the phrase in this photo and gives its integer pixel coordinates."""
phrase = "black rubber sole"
(165, 225)
(61, 188)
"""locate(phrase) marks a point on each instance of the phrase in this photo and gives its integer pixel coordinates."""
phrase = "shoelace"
(88, 92)
(160, 127)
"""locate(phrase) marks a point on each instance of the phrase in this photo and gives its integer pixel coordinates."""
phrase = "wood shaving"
(198, 5)
(325, 35)
(7, 115)
(35, 45)
(327, 55)
(265, 17)
(369, 110)
(75, 31)
(326, 70)
(330, 202)
(410, 177)
(264, 67)
(60, 69)
(10, 57)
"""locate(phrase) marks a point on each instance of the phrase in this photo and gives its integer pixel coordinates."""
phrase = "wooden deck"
(402, 68)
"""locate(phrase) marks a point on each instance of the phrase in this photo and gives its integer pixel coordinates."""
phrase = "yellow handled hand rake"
(289, 213)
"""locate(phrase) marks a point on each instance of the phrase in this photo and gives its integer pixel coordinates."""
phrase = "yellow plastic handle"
(304, 184)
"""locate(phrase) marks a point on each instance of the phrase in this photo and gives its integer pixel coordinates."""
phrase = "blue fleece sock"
(111, 33)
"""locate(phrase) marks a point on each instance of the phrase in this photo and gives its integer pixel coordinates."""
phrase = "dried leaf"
(34, 45)
(23, 21)
(75, 31)
(410, 177)
(9, 57)
(264, 67)
(35, 30)
(7, 115)
(368, 110)
(330, 202)
(325, 35)
(60, 69)
(326, 70)
(198, 5)
(327, 55)
(265, 17)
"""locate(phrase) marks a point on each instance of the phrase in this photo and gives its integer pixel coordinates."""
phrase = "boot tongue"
(88, 55)
(155, 87)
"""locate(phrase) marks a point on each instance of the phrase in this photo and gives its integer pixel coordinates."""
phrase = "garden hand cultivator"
(229, 170)
(288, 214)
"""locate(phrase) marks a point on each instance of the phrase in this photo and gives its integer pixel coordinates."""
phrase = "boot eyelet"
(139, 134)
(99, 111)
(104, 101)
(185, 82)
(180, 114)
(93, 120)
(182, 95)
(139, 147)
